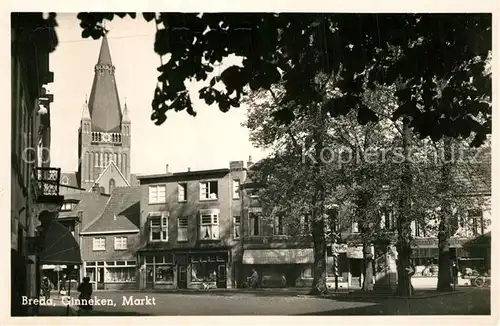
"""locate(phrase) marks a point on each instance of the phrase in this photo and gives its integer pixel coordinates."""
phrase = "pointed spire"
(104, 104)
(125, 117)
(85, 111)
(104, 53)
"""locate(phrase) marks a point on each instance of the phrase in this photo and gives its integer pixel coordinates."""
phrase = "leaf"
(283, 116)
(149, 16)
(365, 115)
(162, 42)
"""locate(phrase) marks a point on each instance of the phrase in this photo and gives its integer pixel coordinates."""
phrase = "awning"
(278, 256)
(60, 246)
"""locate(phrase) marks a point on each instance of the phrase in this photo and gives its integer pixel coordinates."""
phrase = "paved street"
(468, 301)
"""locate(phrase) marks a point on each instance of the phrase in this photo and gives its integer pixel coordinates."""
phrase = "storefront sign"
(339, 247)
(355, 252)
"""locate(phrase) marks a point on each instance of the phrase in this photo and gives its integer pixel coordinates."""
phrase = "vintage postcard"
(251, 163)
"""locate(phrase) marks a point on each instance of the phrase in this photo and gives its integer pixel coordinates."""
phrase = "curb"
(389, 297)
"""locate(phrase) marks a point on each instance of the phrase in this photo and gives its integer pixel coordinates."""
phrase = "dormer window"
(68, 206)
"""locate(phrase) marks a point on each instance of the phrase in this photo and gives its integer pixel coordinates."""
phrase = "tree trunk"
(319, 270)
(368, 267)
(404, 287)
(445, 228)
(363, 201)
(403, 245)
(318, 207)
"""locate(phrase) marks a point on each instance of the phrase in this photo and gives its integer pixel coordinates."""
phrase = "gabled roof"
(92, 204)
(122, 212)
(104, 103)
(104, 172)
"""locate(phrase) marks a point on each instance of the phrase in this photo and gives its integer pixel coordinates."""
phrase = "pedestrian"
(411, 272)
(85, 289)
(253, 280)
(45, 287)
(63, 285)
(454, 269)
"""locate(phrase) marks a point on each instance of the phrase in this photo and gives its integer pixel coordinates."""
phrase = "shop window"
(209, 225)
(90, 273)
(209, 190)
(236, 227)
(120, 274)
(164, 274)
(203, 272)
(307, 272)
(158, 226)
(163, 259)
(182, 229)
(149, 259)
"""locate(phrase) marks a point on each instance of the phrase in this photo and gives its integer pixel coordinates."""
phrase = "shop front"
(184, 270)
(279, 267)
(111, 275)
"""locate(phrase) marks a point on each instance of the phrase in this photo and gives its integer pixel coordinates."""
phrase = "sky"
(210, 140)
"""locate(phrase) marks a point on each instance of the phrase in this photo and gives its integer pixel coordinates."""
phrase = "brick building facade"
(187, 228)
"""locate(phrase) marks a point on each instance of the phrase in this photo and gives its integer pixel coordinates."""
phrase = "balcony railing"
(46, 182)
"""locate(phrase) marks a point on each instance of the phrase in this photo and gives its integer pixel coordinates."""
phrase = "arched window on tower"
(111, 185)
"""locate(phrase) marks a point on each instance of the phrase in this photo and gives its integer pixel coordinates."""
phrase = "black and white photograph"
(251, 164)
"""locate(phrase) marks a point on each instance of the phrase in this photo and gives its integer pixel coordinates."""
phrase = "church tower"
(104, 133)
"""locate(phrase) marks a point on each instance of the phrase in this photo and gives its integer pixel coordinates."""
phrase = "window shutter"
(164, 226)
(203, 190)
(152, 194)
(161, 194)
(215, 232)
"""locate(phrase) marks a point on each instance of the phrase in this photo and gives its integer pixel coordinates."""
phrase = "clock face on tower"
(106, 137)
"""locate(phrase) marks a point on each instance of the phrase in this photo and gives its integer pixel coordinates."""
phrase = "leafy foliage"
(441, 59)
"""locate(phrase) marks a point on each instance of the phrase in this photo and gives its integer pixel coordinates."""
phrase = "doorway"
(149, 277)
(221, 276)
(182, 276)
(100, 278)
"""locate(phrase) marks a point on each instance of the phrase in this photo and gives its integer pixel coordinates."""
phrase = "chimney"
(166, 169)
(250, 162)
(96, 189)
(189, 169)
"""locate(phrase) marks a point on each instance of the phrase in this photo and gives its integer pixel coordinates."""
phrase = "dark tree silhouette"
(440, 58)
